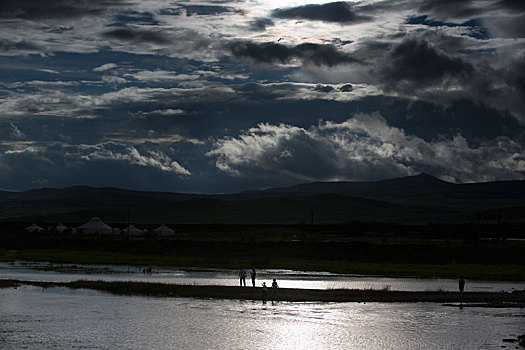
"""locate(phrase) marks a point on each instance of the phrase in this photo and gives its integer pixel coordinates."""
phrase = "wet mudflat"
(487, 299)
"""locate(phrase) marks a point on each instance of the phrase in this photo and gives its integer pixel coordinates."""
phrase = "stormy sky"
(225, 96)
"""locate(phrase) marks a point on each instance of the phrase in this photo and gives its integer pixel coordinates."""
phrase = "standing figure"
(461, 284)
(253, 274)
(275, 286)
(264, 289)
(242, 276)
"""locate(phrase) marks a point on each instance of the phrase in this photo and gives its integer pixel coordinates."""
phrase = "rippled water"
(60, 318)
(286, 278)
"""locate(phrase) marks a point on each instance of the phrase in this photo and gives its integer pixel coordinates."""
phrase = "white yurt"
(34, 228)
(132, 231)
(164, 230)
(60, 228)
(95, 225)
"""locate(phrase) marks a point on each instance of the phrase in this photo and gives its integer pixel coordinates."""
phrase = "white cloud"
(50, 101)
(125, 153)
(154, 139)
(105, 67)
(166, 112)
(363, 147)
(15, 132)
(30, 149)
(160, 76)
(113, 79)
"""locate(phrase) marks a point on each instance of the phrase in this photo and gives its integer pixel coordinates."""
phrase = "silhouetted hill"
(414, 199)
(384, 189)
(406, 187)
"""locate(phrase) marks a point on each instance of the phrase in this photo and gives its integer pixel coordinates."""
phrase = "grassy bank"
(505, 272)
(283, 294)
(367, 249)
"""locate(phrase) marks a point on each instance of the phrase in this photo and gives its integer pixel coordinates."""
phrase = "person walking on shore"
(253, 274)
(242, 277)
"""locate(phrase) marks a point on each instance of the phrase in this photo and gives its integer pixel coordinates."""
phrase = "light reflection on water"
(35, 318)
(286, 278)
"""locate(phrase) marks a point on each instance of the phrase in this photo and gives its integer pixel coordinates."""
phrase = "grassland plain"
(353, 249)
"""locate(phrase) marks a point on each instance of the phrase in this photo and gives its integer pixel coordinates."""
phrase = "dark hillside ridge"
(398, 188)
(414, 199)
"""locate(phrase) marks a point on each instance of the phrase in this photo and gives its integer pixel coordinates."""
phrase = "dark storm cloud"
(209, 10)
(514, 77)
(200, 10)
(326, 55)
(323, 88)
(347, 88)
(477, 30)
(171, 11)
(134, 17)
(502, 19)
(450, 8)
(255, 91)
(260, 24)
(416, 63)
(506, 27)
(18, 47)
(514, 5)
(337, 12)
(137, 35)
(56, 9)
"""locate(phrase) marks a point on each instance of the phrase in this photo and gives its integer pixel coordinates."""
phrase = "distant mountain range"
(414, 199)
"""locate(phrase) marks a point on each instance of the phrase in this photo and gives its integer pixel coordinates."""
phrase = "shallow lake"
(286, 278)
(61, 318)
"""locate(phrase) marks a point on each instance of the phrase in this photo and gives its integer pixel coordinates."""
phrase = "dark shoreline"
(428, 251)
(486, 299)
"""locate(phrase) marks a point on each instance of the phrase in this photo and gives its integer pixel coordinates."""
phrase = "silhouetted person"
(242, 277)
(461, 285)
(275, 286)
(253, 274)
(264, 294)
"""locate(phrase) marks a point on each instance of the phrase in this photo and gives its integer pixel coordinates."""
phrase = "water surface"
(286, 278)
(61, 318)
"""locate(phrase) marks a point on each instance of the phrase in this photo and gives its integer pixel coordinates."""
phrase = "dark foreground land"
(490, 252)
(501, 299)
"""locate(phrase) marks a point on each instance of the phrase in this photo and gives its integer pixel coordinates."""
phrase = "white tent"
(60, 228)
(132, 231)
(95, 225)
(34, 228)
(164, 230)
